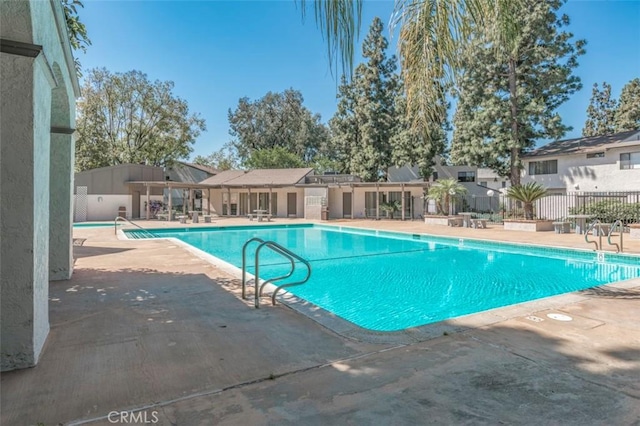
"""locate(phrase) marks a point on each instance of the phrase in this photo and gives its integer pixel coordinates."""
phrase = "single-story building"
(103, 193)
(300, 193)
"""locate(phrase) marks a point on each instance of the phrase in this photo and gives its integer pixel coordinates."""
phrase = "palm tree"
(527, 194)
(432, 34)
(442, 191)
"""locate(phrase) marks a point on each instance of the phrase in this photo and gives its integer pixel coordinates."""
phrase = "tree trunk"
(528, 211)
(514, 176)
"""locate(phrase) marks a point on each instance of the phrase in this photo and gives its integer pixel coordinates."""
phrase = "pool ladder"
(283, 251)
(620, 225)
(597, 224)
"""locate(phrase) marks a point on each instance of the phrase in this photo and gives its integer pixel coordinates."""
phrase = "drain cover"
(560, 317)
(534, 318)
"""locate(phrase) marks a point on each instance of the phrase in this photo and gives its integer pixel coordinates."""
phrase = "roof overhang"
(169, 184)
(189, 185)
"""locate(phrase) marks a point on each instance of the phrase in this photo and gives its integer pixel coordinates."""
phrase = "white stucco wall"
(312, 208)
(41, 161)
(29, 110)
(332, 194)
(105, 207)
(25, 211)
(336, 207)
(579, 173)
(217, 197)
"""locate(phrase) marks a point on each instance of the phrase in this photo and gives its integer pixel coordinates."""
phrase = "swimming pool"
(386, 281)
(92, 224)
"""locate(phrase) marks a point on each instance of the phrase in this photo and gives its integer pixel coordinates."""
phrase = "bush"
(609, 211)
(390, 207)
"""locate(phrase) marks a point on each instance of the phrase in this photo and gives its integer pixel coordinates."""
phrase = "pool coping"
(351, 331)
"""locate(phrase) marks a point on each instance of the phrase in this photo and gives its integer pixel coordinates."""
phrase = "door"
(135, 205)
(244, 197)
(292, 204)
(346, 204)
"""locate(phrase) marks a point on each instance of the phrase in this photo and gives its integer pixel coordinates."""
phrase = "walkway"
(146, 325)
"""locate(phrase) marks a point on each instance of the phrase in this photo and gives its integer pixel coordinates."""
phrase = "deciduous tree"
(276, 120)
(77, 30)
(273, 158)
(225, 158)
(125, 118)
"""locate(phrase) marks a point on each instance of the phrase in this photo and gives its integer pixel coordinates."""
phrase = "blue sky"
(219, 51)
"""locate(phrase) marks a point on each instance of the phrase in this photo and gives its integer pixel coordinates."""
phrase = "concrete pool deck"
(147, 325)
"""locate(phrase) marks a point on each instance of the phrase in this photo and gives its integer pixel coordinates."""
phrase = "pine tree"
(600, 112)
(345, 131)
(628, 114)
(418, 149)
(507, 97)
(366, 117)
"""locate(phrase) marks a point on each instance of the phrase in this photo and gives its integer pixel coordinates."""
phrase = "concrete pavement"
(148, 326)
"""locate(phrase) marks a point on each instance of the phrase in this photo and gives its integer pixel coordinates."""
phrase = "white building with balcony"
(608, 163)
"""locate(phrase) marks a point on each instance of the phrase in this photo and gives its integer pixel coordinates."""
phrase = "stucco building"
(37, 122)
(291, 193)
(102, 193)
(589, 164)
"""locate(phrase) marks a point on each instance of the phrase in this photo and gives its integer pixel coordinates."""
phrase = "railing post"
(244, 264)
(256, 296)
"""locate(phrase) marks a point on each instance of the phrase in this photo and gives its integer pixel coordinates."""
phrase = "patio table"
(466, 219)
(581, 221)
(260, 214)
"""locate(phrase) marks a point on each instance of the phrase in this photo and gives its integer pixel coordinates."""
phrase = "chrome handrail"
(613, 227)
(272, 280)
(590, 228)
(244, 264)
(115, 225)
(291, 256)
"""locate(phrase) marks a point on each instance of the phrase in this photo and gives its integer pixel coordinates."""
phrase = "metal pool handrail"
(244, 264)
(590, 228)
(291, 256)
(115, 226)
(613, 227)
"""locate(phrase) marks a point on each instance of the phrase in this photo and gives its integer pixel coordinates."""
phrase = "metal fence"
(605, 206)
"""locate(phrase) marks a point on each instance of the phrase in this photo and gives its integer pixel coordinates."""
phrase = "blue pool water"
(92, 225)
(390, 281)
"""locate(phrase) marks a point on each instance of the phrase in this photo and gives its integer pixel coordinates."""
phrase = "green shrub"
(608, 211)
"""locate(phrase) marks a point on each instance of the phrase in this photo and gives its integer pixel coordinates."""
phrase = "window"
(547, 167)
(504, 184)
(630, 160)
(596, 155)
(483, 183)
(370, 199)
(466, 176)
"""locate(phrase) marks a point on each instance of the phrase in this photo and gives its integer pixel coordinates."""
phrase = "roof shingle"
(589, 144)
(258, 177)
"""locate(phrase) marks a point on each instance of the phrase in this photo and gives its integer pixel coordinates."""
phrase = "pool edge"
(351, 331)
